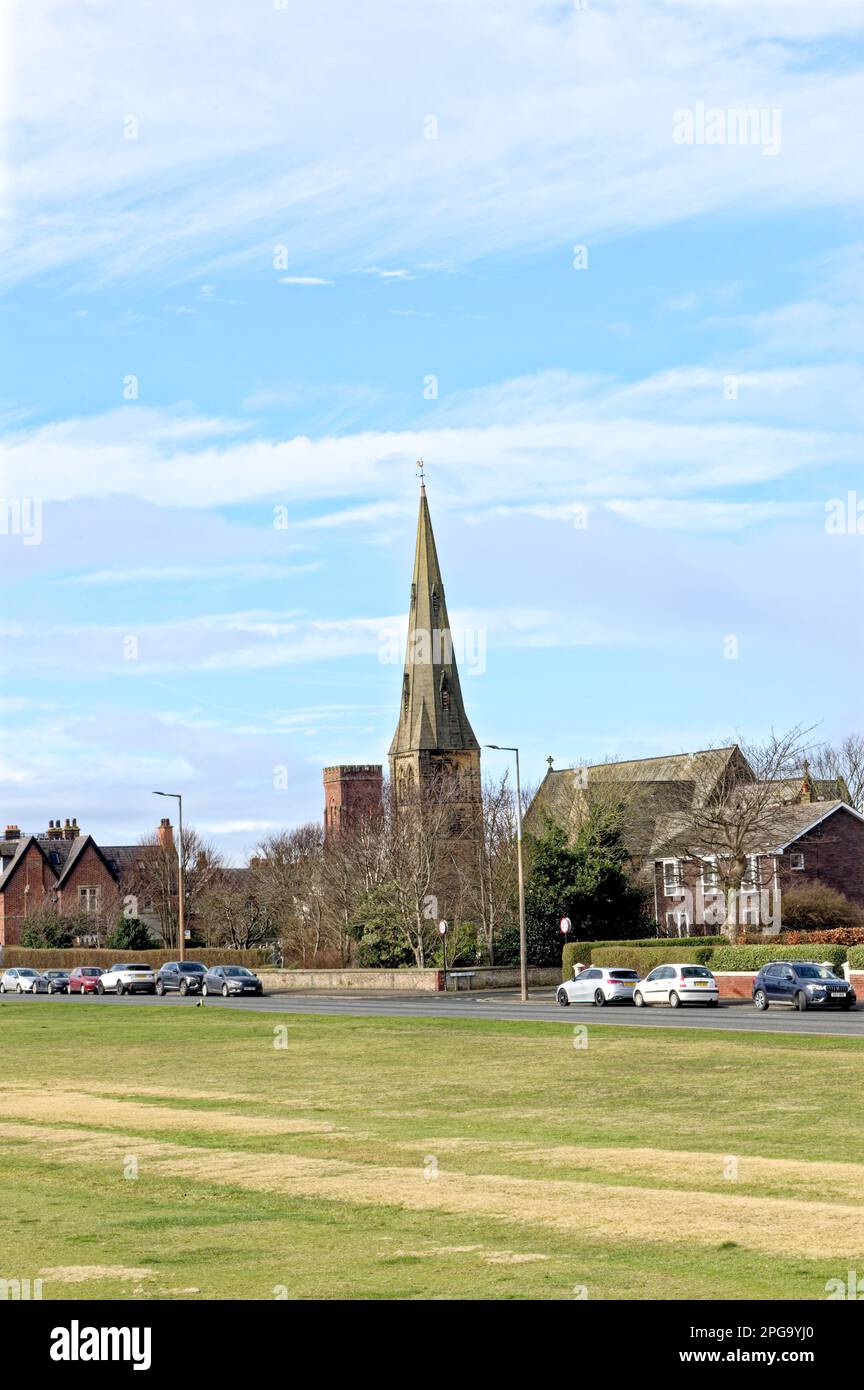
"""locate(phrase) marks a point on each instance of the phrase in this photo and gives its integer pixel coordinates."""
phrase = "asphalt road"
(503, 1005)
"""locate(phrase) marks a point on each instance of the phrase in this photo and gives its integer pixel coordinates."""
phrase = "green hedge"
(754, 957)
(83, 955)
(582, 950)
(644, 958)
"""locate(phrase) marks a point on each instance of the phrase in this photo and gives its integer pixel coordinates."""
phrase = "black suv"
(801, 984)
(184, 976)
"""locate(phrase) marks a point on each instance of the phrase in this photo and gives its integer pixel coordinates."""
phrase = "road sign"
(442, 927)
(566, 924)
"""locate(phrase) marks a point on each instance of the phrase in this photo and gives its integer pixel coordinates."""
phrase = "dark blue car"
(801, 984)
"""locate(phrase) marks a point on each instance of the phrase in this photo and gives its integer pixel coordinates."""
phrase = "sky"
(260, 257)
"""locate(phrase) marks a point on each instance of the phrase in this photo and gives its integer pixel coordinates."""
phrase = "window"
(413, 594)
(88, 899)
(406, 692)
(751, 873)
(445, 694)
(796, 861)
(671, 875)
(710, 874)
(435, 602)
(677, 922)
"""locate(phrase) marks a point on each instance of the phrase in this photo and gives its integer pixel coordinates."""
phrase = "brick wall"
(24, 895)
(352, 792)
(90, 872)
(833, 854)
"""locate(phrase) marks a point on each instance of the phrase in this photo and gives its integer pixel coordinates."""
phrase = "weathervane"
(420, 473)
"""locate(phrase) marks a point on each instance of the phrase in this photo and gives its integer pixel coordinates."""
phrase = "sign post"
(442, 927)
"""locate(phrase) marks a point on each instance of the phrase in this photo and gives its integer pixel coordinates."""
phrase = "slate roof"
(789, 823)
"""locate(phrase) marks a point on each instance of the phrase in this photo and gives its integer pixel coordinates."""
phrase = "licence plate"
(701, 984)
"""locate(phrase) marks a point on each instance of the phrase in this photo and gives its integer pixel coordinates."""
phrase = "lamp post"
(181, 886)
(523, 945)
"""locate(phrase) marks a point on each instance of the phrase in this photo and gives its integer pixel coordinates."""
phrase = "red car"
(84, 979)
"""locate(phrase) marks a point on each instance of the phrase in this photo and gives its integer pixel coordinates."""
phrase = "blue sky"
(629, 463)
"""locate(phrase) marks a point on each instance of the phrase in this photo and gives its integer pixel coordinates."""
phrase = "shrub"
(843, 936)
(644, 958)
(814, 907)
(84, 955)
(754, 957)
(583, 950)
(130, 934)
(856, 957)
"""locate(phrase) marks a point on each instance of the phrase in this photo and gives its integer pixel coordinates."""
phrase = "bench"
(458, 975)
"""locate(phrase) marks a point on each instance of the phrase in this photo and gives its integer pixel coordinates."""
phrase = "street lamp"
(523, 946)
(181, 886)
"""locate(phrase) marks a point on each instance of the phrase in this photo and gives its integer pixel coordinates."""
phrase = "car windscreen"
(807, 972)
(28, 972)
(235, 970)
(695, 972)
(192, 968)
(91, 970)
(826, 973)
(132, 967)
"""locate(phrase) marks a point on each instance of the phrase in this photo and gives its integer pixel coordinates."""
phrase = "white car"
(127, 979)
(677, 985)
(19, 980)
(599, 986)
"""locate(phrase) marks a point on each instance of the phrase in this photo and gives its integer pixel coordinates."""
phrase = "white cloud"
(553, 125)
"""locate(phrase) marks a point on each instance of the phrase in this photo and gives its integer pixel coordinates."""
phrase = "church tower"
(434, 743)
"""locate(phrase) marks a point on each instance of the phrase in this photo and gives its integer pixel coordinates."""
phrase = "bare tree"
(844, 763)
(286, 878)
(157, 874)
(496, 887)
(733, 817)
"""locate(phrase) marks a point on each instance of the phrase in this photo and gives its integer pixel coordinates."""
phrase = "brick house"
(811, 842)
(69, 871)
(814, 835)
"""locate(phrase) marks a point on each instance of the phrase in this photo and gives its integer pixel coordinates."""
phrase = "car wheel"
(760, 999)
(674, 1001)
(50, 988)
(713, 1003)
(160, 988)
(184, 988)
(562, 998)
(100, 988)
(801, 1001)
(20, 989)
(638, 1000)
(121, 988)
(2, 989)
(224, 991)
(204, 991)
(599, 998)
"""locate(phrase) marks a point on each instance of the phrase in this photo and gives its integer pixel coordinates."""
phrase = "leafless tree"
(496, 885)
(157, 874)
(734, 817)
(843, 762)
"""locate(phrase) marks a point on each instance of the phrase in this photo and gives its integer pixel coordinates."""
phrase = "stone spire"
(432, 715)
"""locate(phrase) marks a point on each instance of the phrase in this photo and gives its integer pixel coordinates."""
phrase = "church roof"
(431, 710)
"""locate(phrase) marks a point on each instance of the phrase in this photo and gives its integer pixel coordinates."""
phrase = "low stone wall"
(375, 981)
(408, 980)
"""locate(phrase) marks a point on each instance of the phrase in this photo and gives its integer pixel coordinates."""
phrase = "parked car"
(676, 985)
(184, 976)
(231, 979)
(801, 984)
(84, 979)
(58, 981)
(127, 979)
(19, 980)
(594, 985)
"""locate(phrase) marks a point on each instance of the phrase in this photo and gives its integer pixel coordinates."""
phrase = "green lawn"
(151, 1152)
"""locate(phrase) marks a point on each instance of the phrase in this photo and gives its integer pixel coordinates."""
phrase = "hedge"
(82, 955)
(754, 957)
(582, 950)
(644, 958)
(855, 956)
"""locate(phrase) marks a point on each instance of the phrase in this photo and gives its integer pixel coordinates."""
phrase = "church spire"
(431, 712)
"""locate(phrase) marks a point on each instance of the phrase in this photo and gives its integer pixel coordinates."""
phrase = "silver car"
(19, 980)
(599, 985)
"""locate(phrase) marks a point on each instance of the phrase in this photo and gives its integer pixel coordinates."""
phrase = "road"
(501, 1005)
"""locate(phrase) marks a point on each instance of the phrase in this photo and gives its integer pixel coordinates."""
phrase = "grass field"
(394, 1158)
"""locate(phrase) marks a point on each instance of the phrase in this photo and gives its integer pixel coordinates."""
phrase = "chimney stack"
(165, 833)
(55, 830)
(13, 832)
